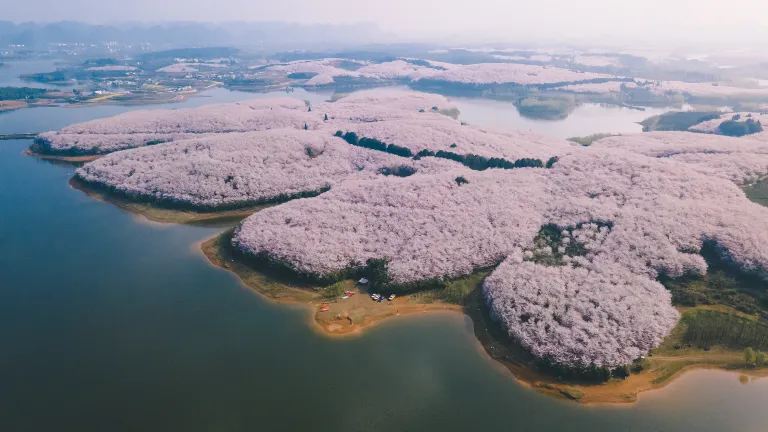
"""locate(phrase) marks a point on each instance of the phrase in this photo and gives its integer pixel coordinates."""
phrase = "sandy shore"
(76, 160)
(154, 213)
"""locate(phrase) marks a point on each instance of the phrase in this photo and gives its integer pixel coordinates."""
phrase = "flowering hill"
(659, 212)
(138, 128)
(579, 241)
(740, 160)
(240, 169)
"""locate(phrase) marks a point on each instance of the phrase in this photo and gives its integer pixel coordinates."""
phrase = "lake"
(110, 323)
(585, 119)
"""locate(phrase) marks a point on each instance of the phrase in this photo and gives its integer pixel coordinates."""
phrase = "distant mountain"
(189, 34)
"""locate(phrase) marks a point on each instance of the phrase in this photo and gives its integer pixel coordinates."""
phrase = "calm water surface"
(108, 323)
(585, 120)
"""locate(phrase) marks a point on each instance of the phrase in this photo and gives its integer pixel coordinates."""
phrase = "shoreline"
(490, 338)
(352, 316)
(344, 317)
(159, 214)
(75, 160)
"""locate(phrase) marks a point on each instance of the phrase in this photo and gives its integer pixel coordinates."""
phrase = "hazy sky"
(683, 19)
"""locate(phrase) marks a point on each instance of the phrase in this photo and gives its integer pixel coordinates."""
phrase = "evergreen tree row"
(472, 161)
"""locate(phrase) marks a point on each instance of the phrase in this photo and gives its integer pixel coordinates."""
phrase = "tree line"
(16, 93)
(709, 328)
(471, 161)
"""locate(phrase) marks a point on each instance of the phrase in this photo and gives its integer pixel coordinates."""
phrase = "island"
(592, 272)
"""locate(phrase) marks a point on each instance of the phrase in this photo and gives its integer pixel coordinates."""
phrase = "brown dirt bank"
(342, 317)
(74, 160)
(352, 315)
(156, 213)
(10, 105)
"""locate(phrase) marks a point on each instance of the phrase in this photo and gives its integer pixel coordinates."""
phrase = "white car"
(391, 297)
(375, 296)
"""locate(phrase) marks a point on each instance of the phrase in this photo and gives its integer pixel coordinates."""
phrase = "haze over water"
(111, 323)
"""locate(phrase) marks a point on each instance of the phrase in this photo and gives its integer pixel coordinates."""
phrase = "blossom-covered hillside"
(428, 226)
(576, 316)
(601, 88)
(446, 134)
(240, 169)
(579, 241)
(201, 169)
(398, 69)
(654, 216)
(138, 128)
(500, 73)
(633, 192)
(405, 118)
(713, 126)
(707, 89)
(741, 160)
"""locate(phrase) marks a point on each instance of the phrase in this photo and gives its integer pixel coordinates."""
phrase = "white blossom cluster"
(383, 104)
(177, 68)
(162, 172)
(319, 80)
(396, 69)
(597, 61)
(638, 206)
(443, 133)
(490, 73)
(325, 68)
(428, 226)
(706, 89)
(112, 68)
(578, 316)
(646, 199)
(483, 73)
(237, 169)
(712, 126)
(136, 128)
(600, 88)
(741, 160)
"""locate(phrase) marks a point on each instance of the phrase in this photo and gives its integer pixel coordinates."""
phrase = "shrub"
(398, 171)
(737, 128)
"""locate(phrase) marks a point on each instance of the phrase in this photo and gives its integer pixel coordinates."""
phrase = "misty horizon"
(596, 22)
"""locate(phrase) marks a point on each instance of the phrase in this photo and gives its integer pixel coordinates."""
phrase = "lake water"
(585, 120)
(12, 69)
(108, 323)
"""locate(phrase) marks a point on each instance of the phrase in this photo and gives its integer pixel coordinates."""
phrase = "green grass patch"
(721, 285)
(589, 139)
(457, 291)
(669, 369)
(546, 108)
(677, 120)
(572, 393)
(707, 328)
(758, 192)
